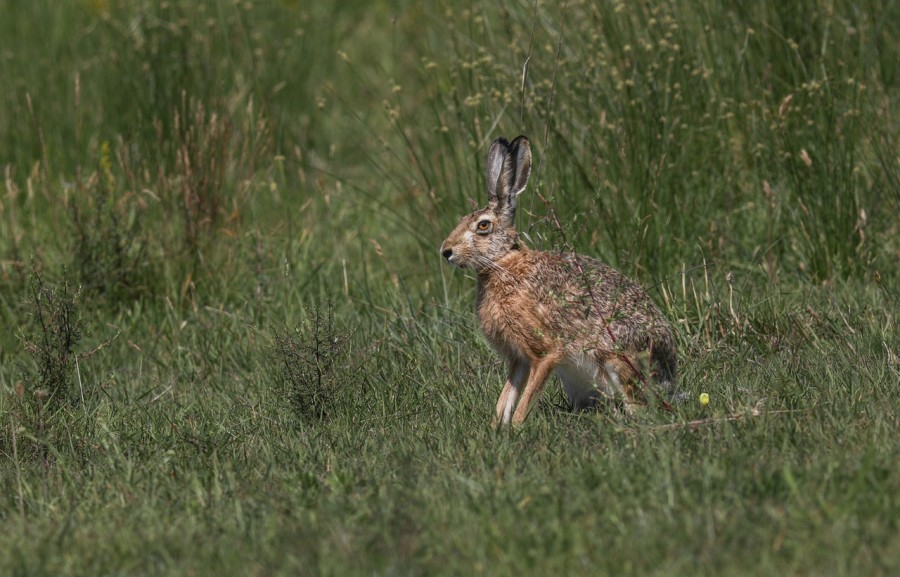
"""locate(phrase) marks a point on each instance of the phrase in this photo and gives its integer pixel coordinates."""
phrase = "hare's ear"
(516, 169)
(496, 176)
(520, 153)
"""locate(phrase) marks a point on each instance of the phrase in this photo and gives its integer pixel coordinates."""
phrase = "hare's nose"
(447, 253)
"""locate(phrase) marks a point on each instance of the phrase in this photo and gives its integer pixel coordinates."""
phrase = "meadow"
(229, 345)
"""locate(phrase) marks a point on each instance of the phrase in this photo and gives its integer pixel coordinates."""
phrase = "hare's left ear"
(497, 174)
(517, 167)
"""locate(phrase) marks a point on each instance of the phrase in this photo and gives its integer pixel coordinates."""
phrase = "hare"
(549, 311)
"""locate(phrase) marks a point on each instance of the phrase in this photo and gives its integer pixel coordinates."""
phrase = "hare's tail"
(666, 368)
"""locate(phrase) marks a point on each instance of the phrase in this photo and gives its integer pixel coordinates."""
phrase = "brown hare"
(550, 311)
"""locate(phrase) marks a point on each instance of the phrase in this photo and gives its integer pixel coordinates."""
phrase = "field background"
(229, 345)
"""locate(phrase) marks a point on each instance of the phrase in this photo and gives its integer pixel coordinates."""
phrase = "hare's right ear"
(520, 154)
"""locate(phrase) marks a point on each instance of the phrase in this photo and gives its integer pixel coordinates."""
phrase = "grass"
(230, 346)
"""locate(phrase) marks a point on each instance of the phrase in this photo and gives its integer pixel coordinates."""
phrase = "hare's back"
(583, 276)
(586, 290)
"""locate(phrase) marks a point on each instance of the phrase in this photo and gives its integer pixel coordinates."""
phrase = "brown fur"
(547, 311)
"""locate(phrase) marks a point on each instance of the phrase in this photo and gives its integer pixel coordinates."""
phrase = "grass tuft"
(52, 341)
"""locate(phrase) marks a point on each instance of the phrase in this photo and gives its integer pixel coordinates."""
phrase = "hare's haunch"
(547, 311)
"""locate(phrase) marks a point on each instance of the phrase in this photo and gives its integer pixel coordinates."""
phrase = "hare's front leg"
(518, 372)
(537, 378)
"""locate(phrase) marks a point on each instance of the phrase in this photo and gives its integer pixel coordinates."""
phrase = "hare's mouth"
(453, 260)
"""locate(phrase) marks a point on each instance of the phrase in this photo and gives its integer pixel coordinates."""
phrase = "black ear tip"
(520, 140)
(501, 142)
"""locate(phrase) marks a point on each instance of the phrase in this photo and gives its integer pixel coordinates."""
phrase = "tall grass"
(230, 345)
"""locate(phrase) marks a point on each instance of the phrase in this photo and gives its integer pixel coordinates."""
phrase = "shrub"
(314, 368)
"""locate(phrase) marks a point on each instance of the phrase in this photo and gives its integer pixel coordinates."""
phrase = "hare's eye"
(483, 227)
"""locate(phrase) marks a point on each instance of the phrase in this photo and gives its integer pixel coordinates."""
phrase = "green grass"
(230, 346)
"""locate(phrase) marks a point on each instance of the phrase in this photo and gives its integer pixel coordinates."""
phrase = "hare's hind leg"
(621, 377)
(518, 372)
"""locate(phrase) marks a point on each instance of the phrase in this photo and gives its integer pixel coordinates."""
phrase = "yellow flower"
(99, 7)
(106, 164)
(704, 399)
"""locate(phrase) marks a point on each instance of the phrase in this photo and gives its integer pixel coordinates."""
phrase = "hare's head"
(486, 235)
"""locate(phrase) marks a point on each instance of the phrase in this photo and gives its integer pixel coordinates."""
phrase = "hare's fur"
(551, 312)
